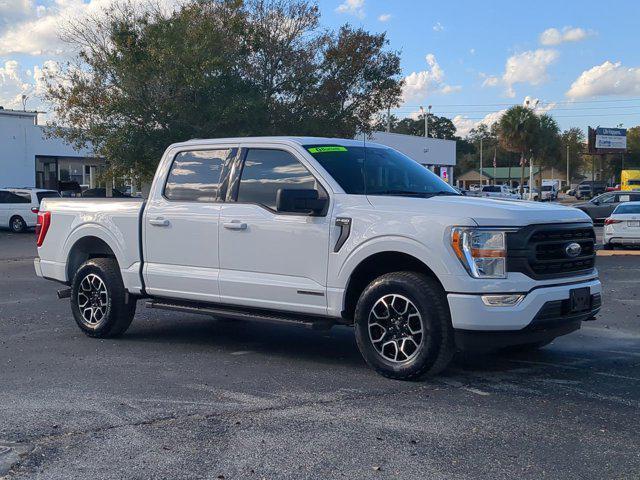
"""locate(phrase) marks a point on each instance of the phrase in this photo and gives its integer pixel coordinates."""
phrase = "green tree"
(632, 157)
(573, 139)
(547, 143)
(146, 78)
(517, 132)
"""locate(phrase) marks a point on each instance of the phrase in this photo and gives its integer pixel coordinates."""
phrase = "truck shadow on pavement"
(593, 364)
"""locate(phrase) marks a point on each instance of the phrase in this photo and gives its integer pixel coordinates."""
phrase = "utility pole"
(481, 173)
(388, 119)
(426, 122)
(568, 178)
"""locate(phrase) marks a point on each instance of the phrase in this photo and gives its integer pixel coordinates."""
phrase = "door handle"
(235, 225)
(159, 222)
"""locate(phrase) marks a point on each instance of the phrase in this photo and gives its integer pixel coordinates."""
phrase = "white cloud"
(606, 79)
(352, 7)
(385, 17)
(472, 51)
(15, 82)
(418, 85)
(527, 67)
(553, 36)
(438, 27)
(34, 29)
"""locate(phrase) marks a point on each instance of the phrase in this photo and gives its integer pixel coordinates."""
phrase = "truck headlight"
(483, 252)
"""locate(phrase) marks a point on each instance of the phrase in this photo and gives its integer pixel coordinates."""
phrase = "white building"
(28, 158)
(434, 153)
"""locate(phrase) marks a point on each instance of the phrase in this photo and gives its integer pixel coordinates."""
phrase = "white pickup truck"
(320, 232)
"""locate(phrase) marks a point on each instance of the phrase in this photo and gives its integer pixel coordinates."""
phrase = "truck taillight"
(42, 225)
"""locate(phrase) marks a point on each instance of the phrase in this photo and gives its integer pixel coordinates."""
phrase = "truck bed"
(116, 222)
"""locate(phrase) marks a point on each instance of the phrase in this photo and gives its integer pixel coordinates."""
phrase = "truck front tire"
(99, 301)
(403, 326)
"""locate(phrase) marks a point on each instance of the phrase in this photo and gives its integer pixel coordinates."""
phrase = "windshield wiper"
(398, 192)
(444, 193)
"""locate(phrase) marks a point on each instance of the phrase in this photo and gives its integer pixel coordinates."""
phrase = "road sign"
(611, 138)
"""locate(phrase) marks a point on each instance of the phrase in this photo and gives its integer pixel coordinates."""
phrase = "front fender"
(392, 243)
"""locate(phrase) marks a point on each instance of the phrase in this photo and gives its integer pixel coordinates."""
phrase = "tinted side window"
(195, 175)
(10, 197)
(3, 197)
(267, 171)
(42, 195)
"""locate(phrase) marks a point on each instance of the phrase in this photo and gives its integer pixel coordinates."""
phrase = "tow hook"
(64, 293)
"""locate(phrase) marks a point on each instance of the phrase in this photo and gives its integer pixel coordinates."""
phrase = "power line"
(549, 110)
(575, 116)
(520, 103)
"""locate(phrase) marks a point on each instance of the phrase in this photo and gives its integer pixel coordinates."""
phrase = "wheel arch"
(375, 265)
(85, 248)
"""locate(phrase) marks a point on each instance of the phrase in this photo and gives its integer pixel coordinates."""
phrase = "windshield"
(546, 188)
(378, 171)
(628, 208)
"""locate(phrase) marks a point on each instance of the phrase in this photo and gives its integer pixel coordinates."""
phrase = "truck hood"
(483, 211)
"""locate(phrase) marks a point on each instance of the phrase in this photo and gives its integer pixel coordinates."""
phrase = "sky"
(576, 60)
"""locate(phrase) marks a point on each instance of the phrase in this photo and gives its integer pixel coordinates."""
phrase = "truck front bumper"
(543, 314)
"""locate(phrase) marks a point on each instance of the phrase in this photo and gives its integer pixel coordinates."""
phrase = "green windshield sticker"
(327, 149)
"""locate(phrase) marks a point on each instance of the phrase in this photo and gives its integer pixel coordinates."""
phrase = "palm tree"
(517, 132)
(547, 147)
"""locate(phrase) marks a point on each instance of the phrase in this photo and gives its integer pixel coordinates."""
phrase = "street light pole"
(426, 122)
(568, 178)
(481, 181)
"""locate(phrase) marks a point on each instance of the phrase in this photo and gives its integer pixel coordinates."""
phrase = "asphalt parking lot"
(185, 396)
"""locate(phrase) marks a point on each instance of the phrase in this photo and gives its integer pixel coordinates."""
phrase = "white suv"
(19, 207)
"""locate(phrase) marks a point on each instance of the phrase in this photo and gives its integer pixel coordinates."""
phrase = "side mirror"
(304, 201)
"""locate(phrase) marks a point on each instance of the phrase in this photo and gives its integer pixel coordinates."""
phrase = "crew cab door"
(268, 259)
(180, 225)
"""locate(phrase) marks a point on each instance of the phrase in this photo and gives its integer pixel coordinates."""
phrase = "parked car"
(623, 226)
(533, 195)
(102, 193)
(69, 189)
(603, 205)
(589, 189)
(303, 230)
(19, 207)
(498, 191)
(461, 191)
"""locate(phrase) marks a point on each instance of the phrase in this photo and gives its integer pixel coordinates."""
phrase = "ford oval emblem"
(573, 249)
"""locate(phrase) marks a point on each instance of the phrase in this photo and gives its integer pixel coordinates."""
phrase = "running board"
(314, 322)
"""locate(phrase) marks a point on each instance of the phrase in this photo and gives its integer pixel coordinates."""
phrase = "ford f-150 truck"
(319, 232)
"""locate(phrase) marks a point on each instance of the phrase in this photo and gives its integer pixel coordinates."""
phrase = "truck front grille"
(543, 251)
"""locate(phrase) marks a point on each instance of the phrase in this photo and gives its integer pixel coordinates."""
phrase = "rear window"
(42, 195)
(546, 188)
(628, 208)
(491, 188)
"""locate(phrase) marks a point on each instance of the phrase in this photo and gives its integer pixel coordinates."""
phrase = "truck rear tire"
(403, 326)
(99, 301)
